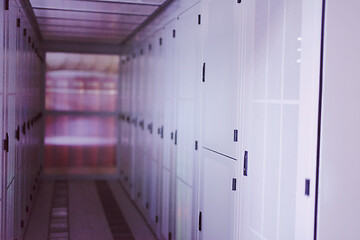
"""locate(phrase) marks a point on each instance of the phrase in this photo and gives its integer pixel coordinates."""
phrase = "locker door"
(188, 34)
(279, 151)
(220, 86)
(217, 201)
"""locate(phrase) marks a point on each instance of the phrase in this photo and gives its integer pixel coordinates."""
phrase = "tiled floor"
(87, 220)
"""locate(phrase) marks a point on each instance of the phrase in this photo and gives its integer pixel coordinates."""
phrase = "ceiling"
(97, 21)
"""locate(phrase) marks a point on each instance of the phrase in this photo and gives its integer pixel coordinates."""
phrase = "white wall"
(339, 194)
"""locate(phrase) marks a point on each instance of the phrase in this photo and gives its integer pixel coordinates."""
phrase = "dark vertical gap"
(319, 117)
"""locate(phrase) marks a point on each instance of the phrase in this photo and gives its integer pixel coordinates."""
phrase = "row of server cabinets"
(218, 120)
(21, 104)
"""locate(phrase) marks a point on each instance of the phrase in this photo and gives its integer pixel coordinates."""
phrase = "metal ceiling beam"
(86, 11)
(87, 20)
(80, 47)
(25, 4)
(121, 2)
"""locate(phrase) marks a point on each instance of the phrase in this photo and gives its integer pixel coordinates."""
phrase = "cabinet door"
(273, 133)
(188, 34)
(168, 46)
(217, 202)
(220, 89)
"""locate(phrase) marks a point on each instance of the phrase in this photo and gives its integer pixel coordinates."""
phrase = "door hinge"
(307, 187)
(203, 73)
(150, 47)
(233, 184)
(199, 19)
(160, 41)
(162, 132)
(235, 135)
(245, 170)
(196, 145)
(156, 219)
(6, 143)
(174, 33)
(18, 22)
(200, 221)
(24, 32)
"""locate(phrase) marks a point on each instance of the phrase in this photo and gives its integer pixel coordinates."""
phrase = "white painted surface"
(339, 195)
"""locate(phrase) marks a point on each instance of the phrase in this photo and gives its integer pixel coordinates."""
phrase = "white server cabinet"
(188, 93)
(220, 75)
(280, 84)
(339, 195)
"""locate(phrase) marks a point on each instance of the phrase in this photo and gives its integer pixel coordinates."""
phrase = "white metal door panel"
(11, 130)
(186, 136)
(12, 54)
(9, 220)
(185, 225)
(273, 190)
(168, 132)
(169, 50)
(217, 203)
(339, 195)
(154, 193)
(165, 204)
(220, 89)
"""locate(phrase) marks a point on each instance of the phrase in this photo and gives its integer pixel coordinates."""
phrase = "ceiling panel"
(88, 16)
(104, 7)
(92, 20)
(85, 24)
